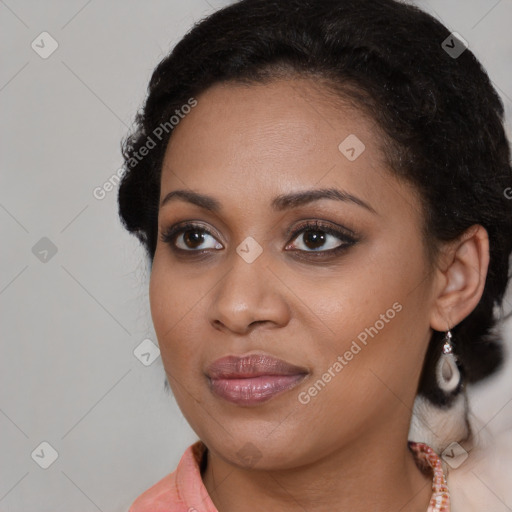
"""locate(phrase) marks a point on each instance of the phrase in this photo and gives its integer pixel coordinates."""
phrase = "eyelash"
(348, 240)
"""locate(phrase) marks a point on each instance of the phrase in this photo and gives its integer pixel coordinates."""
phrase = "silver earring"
(440, 414)
(448, 375)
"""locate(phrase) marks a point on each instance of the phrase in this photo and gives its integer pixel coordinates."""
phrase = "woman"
(321, 190)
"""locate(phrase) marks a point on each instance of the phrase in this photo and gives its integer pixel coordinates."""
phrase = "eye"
(193, 236)
(316, 235)
(189, 237)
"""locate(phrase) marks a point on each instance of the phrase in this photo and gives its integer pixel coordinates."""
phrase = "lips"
(252, 379)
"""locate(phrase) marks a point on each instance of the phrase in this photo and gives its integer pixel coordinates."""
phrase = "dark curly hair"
(441, 118)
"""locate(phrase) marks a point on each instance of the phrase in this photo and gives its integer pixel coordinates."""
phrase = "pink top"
(183, 490)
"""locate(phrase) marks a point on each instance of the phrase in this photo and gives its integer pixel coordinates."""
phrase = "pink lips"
(252, 379)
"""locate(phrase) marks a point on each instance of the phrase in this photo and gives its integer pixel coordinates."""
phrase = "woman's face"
(347, 303)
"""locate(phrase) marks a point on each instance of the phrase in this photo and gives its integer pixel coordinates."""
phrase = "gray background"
(70, 324)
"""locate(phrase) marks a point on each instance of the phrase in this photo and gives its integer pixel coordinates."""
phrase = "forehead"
(244, 142)
(292, 116)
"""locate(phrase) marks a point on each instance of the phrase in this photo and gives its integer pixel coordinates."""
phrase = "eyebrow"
(279, 203)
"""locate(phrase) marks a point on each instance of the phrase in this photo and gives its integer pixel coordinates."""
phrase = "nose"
(248, 295)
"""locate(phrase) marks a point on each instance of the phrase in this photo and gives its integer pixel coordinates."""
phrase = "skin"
(347, 448)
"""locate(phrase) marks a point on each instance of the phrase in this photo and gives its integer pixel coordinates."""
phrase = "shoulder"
(175, 490)
(159, 497)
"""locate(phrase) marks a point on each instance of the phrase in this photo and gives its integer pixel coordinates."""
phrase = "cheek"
(173, 306)
(378, 304)
(163, 302)
(354, 298)
(381, 331)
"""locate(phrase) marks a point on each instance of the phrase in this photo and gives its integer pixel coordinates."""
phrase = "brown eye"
(191, 239)
(314, 239)
(317, 237)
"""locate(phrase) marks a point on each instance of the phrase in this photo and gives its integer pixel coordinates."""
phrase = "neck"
(378, 475)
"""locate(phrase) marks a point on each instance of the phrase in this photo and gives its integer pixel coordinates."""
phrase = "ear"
(461, 274)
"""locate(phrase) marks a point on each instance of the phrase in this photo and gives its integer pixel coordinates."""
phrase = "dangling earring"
(448, 375)
(440, 414)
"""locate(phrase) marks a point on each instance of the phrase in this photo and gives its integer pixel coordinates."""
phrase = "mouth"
(253, 379)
